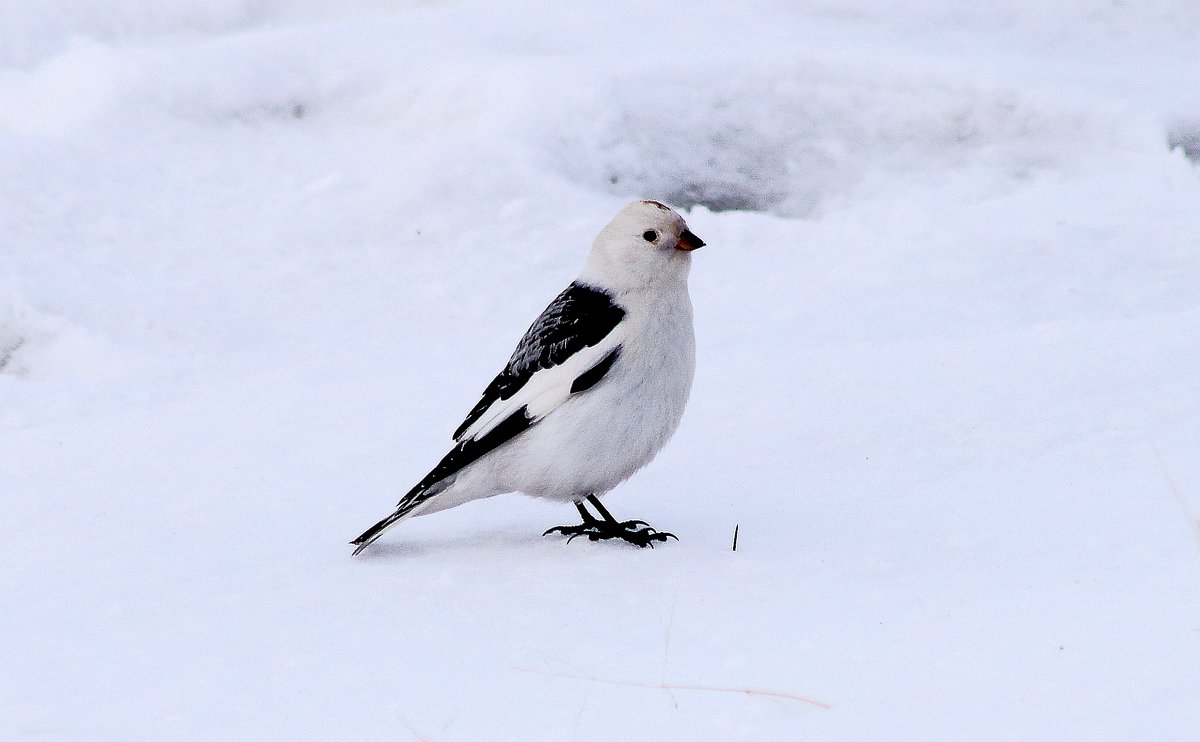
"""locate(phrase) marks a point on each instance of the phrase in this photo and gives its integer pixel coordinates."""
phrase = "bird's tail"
(408, 506)
(368, 536)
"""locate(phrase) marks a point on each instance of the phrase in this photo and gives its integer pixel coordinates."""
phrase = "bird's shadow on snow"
(485, 541)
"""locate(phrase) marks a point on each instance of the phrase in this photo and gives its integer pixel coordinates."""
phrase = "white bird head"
(646, 243)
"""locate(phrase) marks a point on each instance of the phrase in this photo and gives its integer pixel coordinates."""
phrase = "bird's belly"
(599, 438)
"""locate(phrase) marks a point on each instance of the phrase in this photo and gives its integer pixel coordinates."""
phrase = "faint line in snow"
(412, 729)
(1180, 500)
(754, 692)
(667, 651)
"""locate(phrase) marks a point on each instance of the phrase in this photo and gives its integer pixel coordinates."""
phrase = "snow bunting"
(593, 391)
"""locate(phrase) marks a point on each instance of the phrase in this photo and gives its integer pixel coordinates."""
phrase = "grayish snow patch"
(35, 345)
(8, 349)
(1185, 135)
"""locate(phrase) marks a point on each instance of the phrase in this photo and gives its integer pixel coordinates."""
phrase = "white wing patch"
(547, 388)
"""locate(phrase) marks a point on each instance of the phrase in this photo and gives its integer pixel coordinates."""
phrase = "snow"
(257, 260)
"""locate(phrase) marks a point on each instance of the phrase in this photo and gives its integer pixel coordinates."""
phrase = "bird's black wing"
(579, 318)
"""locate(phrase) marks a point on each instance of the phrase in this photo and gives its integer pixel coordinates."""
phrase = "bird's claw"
(636, 532)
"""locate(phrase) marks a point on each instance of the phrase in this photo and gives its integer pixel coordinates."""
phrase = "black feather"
(593, 375)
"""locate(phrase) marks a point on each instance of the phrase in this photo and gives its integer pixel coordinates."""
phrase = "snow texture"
(258, 258)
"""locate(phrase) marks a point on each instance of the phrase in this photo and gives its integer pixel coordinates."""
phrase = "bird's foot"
(636, 532)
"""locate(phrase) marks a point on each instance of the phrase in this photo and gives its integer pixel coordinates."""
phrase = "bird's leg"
(586, 528)
(630, 524)
(636, 532)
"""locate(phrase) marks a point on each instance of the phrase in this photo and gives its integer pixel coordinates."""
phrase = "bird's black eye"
(649, 235)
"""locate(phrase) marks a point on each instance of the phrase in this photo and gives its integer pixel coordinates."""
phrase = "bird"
(594, 390)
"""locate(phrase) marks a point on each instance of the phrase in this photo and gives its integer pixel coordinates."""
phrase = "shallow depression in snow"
(787, 142)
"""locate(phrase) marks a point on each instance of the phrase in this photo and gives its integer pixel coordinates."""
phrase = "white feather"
(546, 389)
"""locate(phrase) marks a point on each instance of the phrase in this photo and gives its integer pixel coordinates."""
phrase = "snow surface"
(258, 258)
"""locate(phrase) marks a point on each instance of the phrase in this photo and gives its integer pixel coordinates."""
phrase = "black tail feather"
(461, 456)
(368, 536)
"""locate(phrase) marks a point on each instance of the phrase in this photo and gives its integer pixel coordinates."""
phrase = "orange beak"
(688, 242)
